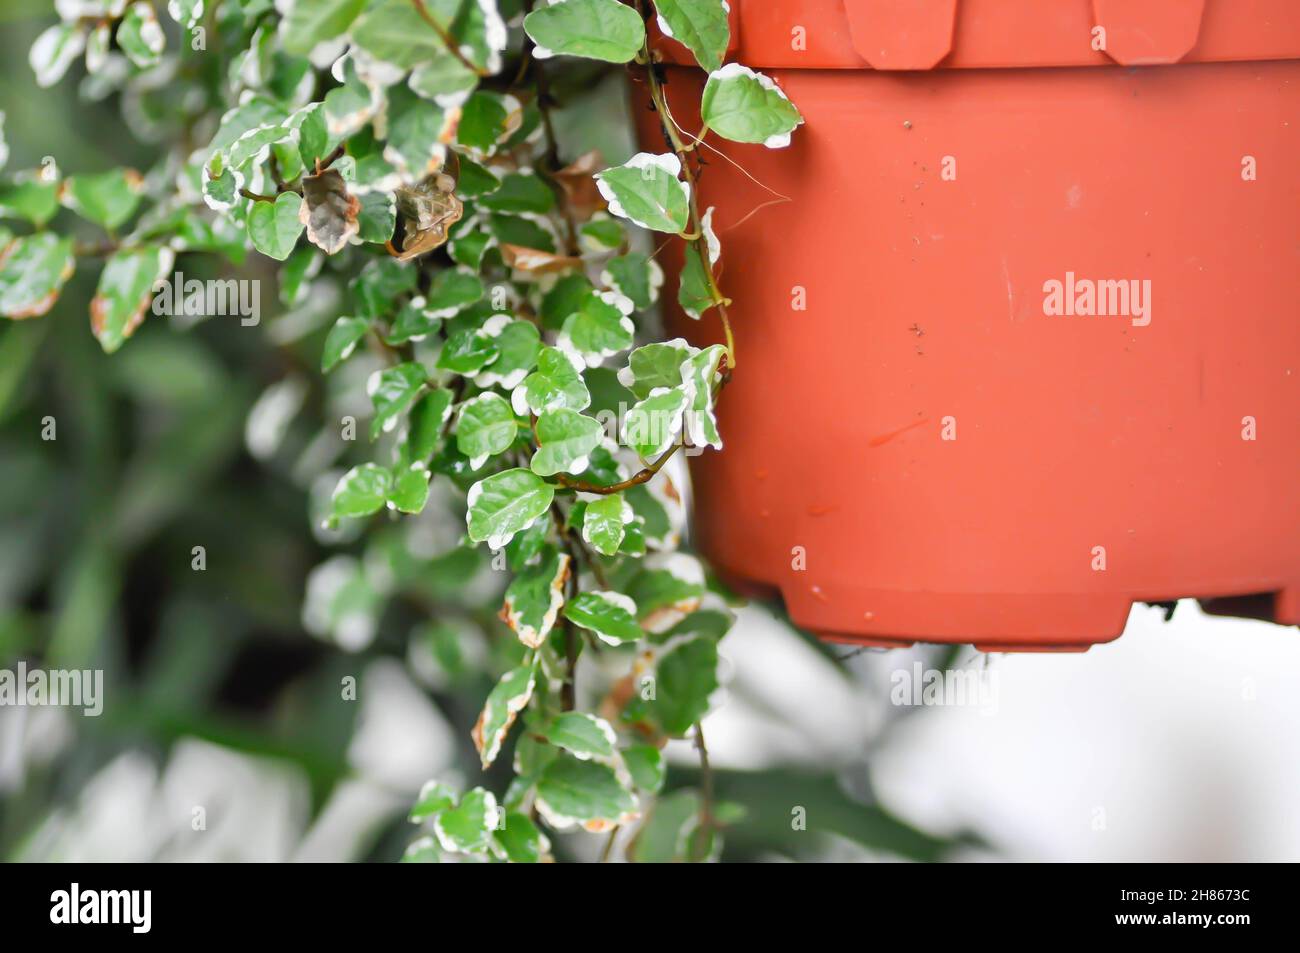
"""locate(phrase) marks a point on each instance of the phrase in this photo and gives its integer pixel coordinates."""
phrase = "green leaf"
(295, 277)
(485, 427)
(587, 793)
(513, 230)
(664, 837)
(694, 293)
(378, 217)
(605, 523)
(646, 190)
(253, 114)
(603, 233)
(555, 385)
(274, 227)
(140, 35)
(414, 322)
(565, 439)
(582, 735)
(518, 343)
(467, 827)
(646, 765)
(475, 180)
(655, 366)
(700, 25)
(468, 351)
(125, 291)
(566, 297)
(410, 489)
(32, 272)
(667, 591)
(422, 850)
(610, 615)
(310, 22)
(362, 491)
(685, 677)
(393, 31)
(485, 121)
(434, 798)
(342, 341)
(424, 426)
(220, 192)
(535, 596)
(107, 199)
(505, 702)
(636, 276)
(595, 29)
(452, 290)
(652, 425)
(188, 13)
(29, 197)
(392, 391)
(527, 545)
(700, 372)
(520, 193)
(468, 248)
(520, 840)
(380, 284)
(744, 106)
(418, 132)
(660, 529)
(55, 50)
(444, 79)
(313, 132)
(505, 503)
(599, 329)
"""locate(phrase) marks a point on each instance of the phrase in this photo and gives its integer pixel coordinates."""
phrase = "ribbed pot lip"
(990, 34)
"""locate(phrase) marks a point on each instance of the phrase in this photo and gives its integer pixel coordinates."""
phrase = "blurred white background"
(1178, 742)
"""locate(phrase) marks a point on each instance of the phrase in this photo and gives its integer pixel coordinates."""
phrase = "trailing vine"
(499, 303)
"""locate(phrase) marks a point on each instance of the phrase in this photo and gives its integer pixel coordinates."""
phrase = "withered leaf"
(579, 185)
(535, 261)
(329, 212)
(427, 212)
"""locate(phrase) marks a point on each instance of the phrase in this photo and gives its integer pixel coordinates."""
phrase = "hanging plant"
(408, 147)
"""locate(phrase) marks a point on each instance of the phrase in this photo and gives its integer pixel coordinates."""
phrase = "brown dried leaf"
(427, 212)
(580, 189)
(537, 262)
(329, 212)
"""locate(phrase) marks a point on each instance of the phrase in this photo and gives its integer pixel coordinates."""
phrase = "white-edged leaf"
(595, 29)
(505, 503)
(565, 441)
(647, 190)
(485, 426)
(745, 106)
(700, 25)
(534, 599)
(610, 615)
(504, 703)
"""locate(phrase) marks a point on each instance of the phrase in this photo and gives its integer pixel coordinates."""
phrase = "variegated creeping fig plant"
(497, 302)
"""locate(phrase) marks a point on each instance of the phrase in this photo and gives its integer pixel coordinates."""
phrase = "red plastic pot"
(924, 453)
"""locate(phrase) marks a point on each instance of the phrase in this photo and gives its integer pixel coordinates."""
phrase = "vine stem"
(682, 151)
(448, 40)
(608, 852)
(642, 476)
(706, 784)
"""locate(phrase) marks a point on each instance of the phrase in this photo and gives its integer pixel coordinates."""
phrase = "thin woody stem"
(448, 40)
(707, 822)
(682, 150)
(643, 476)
